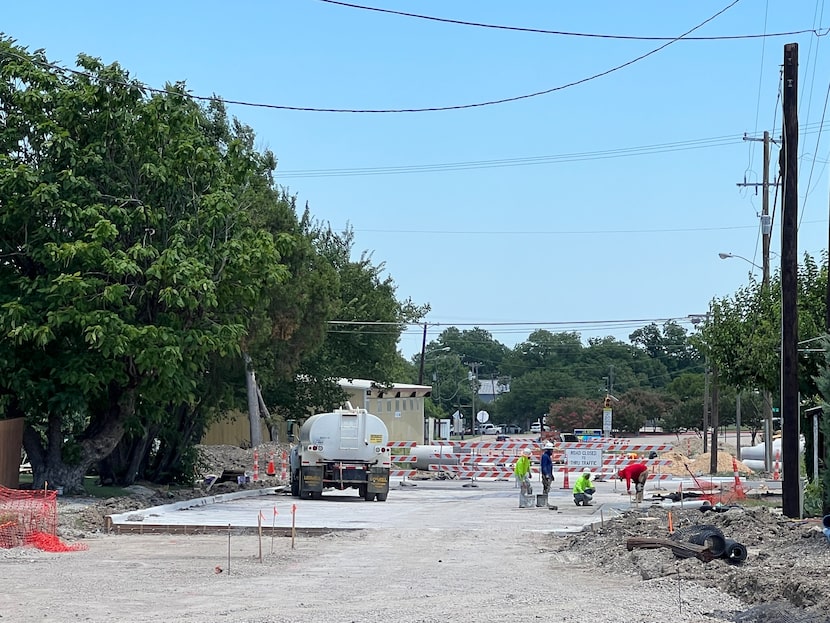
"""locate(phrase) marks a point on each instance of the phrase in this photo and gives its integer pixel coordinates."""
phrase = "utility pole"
(766, 235)
(423, 354)
(790, 502)
(713, 457)
(706, 405)
(738, 424)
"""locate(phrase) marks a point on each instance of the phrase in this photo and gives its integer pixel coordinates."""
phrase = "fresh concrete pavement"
(431, 504)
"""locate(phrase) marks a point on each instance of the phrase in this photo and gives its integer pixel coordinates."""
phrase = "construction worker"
(637, 472)
(522, 473)
(546, 467)
(584, 489)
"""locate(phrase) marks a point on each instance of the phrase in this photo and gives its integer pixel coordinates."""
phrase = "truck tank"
(344, 449)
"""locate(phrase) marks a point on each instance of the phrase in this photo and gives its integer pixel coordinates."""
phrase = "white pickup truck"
(489, 429)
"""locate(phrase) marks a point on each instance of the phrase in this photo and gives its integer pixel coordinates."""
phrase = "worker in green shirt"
(522, 473)
(584, 489)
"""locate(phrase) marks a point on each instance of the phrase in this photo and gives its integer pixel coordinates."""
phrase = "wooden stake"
(273, 527)
(671, 525)
(293, 522)
(259, 531)
(229, 549)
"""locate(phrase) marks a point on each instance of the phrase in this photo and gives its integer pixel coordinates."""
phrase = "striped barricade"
(498, 445)
(401, 467)
(465, 471)
(621, 462)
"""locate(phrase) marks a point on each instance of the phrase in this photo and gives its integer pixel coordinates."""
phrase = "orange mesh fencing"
(24, 513)
(727, 493)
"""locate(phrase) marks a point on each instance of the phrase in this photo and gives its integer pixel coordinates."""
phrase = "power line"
(494, 102)
(508, 324)
(564, 33)
(702, 143)
(440, 167)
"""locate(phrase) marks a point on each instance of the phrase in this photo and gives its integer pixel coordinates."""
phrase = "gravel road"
(418, 575)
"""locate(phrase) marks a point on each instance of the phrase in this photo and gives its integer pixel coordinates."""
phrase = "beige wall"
(403, 416)
(11, 443)
(232, 430)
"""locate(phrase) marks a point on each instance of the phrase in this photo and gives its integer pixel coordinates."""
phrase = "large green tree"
(132, 260)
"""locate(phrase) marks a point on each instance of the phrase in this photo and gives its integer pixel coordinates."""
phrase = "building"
(490, 389)
(400, 406)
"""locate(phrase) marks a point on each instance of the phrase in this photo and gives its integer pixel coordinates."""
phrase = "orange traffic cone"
(776, 474)
(271, 470)
(565, 483)
(739, 487)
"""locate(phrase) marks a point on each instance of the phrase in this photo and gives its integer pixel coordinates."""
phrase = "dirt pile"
(783, 555)
(699, 465)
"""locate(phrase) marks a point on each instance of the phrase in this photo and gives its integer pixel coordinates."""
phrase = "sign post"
(607, 418)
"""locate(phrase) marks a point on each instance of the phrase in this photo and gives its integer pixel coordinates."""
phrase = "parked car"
(489, 429)
(536, 427)
(512, 429)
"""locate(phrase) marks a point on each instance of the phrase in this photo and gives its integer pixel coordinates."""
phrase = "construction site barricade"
(31, 518)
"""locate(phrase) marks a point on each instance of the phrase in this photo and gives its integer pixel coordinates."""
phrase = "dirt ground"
(434, 574)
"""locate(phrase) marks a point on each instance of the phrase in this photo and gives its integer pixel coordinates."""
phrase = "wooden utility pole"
(790, 502)
(713, 456)
(766, 235)
(423, 354)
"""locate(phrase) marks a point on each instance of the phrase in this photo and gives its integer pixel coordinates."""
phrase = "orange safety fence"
(30, 518)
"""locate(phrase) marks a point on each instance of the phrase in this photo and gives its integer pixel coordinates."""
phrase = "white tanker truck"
(345, 449)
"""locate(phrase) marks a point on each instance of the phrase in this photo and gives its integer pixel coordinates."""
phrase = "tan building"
(401, 406)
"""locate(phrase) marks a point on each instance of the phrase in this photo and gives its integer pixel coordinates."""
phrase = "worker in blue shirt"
(546, 467)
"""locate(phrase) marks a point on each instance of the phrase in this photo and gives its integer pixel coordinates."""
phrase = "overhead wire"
(565, 33)
(493, 102)
(684, 145)
(501, 232)
(809, 107)
(760, 83)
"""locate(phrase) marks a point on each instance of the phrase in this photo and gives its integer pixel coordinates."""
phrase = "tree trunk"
(49, 466)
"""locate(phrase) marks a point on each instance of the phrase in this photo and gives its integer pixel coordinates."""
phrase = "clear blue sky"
(634, 236)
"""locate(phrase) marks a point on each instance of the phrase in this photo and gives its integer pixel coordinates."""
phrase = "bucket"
(542, 499)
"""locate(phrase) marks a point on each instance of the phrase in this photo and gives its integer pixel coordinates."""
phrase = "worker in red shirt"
(638, 472)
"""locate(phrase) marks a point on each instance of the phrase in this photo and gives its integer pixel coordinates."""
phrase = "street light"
(726, 256)
(424, 356)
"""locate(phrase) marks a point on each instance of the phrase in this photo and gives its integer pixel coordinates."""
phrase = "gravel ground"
(427, 575)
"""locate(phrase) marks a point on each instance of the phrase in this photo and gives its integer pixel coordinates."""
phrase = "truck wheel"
(382, 497)
(369, 497)
(295, 487)
(316, 495)
(361, 491)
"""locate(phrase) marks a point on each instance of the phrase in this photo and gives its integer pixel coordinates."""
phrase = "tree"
(132, 262)
(566, 414)
(364, 342)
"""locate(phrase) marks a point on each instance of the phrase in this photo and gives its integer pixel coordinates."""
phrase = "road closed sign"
(584, 457)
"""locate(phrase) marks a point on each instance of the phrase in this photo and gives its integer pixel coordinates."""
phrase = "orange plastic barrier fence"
(31, 518)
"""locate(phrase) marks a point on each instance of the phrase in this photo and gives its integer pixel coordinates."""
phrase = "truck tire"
(361, 491)
(369, 497)
(316, 495)
(382, 496)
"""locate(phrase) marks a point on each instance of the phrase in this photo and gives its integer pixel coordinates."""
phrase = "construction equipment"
(341, 450)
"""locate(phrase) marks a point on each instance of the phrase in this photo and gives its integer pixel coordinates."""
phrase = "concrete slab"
(415, 504)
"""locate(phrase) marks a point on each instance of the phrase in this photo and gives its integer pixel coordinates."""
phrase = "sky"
(597, 208)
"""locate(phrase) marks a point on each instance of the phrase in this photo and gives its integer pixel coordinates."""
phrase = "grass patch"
(96, 491)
